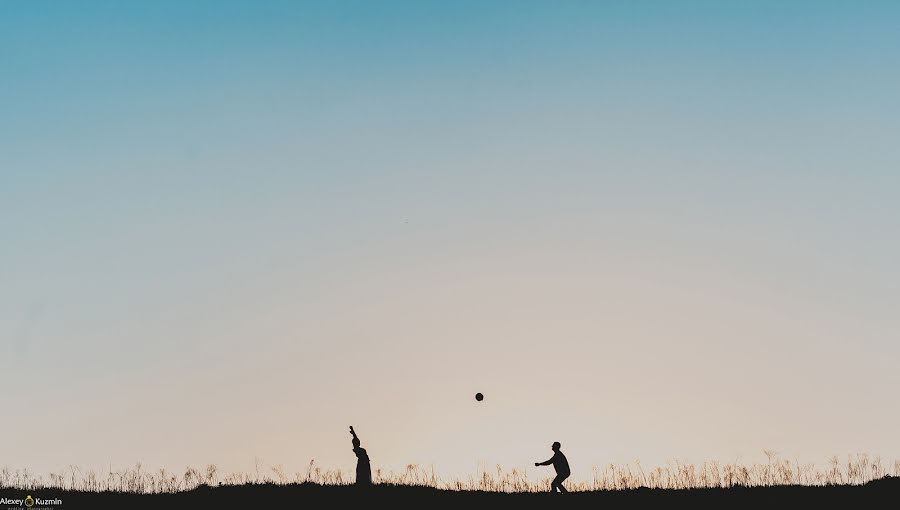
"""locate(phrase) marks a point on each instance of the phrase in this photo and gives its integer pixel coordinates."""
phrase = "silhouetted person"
(363, 469)
(561, 465)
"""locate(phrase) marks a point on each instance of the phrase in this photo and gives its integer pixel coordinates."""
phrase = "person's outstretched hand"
(536, 464)
(351, 429)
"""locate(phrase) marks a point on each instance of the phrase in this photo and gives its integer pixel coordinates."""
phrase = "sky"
(651, 231)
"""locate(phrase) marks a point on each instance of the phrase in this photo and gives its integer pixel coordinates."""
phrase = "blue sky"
(267, 206)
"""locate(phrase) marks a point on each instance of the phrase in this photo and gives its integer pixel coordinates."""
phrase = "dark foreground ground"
(884, 493)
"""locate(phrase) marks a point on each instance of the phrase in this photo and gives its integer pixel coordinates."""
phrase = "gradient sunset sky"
(647, 230)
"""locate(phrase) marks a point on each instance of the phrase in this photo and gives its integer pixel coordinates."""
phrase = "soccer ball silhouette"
(479, 397)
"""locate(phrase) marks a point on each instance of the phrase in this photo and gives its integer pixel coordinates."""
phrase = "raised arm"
(353, 432)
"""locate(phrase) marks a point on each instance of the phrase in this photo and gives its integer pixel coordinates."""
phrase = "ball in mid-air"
(479, 397)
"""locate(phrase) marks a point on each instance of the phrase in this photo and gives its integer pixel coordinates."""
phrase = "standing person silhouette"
(561, 465)
(363, 468)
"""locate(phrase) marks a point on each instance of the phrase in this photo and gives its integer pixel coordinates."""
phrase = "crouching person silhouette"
(363, 468)
(561, 465)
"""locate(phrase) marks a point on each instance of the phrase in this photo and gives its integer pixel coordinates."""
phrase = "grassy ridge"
(882, 492)
(856, 470)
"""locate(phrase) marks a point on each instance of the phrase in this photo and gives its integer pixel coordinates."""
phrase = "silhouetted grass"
(856, 470)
